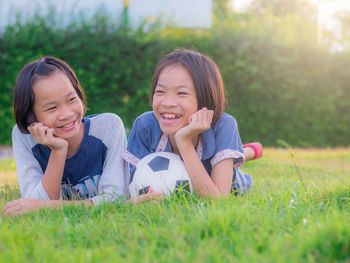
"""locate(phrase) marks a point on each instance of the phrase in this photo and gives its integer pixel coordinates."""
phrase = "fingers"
(149, 197)
(202, 119)
(38, 131)
(13, 211)
(50, 133)
(21, 206)
(42, 133)
(206, 116)
(46, 136)
(12, 208)
(153, 197)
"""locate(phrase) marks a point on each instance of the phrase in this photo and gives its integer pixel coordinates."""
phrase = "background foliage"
(282, 84)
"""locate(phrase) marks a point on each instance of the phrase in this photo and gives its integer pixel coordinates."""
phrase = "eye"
(182, 93)
(72, 99)
(157, 91)
(51, 108)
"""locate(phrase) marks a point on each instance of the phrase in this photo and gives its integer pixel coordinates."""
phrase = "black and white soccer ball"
(163, 172)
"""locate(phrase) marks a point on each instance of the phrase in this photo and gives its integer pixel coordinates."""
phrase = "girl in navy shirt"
(188, 119)
(62, 157)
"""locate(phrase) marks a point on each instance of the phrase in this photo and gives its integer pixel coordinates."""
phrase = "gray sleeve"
(114, 181)
(28, 168)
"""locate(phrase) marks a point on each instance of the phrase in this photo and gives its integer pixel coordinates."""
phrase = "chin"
(69, 134)
(169, 131)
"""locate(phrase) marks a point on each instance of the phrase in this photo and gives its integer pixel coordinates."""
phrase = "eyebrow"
(178, 87)
(52, 102)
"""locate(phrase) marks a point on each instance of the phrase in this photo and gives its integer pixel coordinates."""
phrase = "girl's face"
(174, 99)
(58, 106)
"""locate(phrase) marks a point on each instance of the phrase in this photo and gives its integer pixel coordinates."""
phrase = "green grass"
(278, 221)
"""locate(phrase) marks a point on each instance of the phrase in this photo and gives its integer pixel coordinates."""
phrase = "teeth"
(169, 116)
(67, 125)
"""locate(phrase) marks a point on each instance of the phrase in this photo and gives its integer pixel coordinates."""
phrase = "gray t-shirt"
(96, 171)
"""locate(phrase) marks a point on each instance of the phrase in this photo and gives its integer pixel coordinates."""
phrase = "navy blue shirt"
(97, 169)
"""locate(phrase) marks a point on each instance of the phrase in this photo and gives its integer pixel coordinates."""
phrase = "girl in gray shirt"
(62, 157)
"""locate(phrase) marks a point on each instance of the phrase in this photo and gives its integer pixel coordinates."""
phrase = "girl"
(188, 119)
(60, 154)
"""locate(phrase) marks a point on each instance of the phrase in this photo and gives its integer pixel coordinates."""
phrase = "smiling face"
(58, 106)
(174, 99)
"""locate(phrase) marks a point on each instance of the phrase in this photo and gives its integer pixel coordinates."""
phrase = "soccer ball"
(163, 172)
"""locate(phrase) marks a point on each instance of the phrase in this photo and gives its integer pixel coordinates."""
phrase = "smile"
(170, 116)
(67, 126)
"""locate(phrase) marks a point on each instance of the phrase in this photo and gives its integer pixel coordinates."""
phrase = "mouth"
(67, 126)
(169, 118)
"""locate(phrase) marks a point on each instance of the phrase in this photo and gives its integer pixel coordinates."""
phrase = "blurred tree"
(302, 8)
(344, 38)
(289, 21)
(221, 9)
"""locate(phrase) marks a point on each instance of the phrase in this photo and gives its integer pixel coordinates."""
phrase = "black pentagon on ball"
(159, 163)
(182, 186)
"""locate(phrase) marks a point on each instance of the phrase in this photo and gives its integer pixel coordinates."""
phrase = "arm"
(52, 177)
(25, 205)
(28, 168)
(30, 175)
(114, 179)
(199, 122)
(220, 181)
(219, 184)
(200, 179)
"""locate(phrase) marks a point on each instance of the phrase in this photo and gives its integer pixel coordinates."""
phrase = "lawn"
(297, 211)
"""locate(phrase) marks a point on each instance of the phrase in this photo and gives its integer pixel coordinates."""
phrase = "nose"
(169, 100)
(65, 113)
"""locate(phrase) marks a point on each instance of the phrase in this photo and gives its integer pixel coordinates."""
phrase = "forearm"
(200, 179)
(24, 205)
(52, 178)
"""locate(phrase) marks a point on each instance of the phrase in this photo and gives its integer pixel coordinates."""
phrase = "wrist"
(185, 145)
(182, 140)
(88, 202)
(59, 150)
(39, 204)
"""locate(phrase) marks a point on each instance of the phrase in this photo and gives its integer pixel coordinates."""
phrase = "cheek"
(79, 108)
(46, 119)
(192, 106)
(195, 103)
(154, 103)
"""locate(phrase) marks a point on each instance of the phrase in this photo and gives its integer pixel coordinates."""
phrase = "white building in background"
(180, 13)
(64, 9)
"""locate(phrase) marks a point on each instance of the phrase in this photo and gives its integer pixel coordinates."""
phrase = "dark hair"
(23, 101)
(206, 78)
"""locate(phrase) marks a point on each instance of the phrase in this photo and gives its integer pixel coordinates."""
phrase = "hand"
(199, 122)
(21, 206)
(45, 135)
(151, 196)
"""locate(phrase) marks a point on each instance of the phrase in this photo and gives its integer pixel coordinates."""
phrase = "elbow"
(216, 193)
(37, 192)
